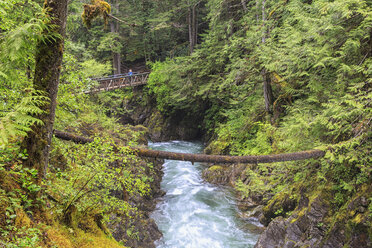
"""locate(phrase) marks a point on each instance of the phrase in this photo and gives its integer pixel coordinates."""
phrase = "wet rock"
(136, 231)
(274, 235)
(178, 126)
(217, 174)
(139, 229)
(300, 230)
(254, 212)
(279, 205)
(308, 227)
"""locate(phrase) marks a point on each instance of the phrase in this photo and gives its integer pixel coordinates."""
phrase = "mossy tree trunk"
(47, 71)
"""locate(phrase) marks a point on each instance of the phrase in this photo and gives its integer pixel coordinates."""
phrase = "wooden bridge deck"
(118, 81)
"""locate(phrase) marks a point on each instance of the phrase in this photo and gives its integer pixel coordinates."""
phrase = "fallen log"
(220, 159)
(72, 137)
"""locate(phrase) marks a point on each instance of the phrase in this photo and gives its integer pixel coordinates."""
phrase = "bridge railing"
(117, 76)
(119, 81)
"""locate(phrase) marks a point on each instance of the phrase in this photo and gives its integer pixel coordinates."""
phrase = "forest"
(244, 77)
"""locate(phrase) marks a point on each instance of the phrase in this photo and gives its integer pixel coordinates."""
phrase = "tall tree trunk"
(268, 93)
(47, 71)
(114, 28)
(263, 21)
(116, 59)
(189, 22)
(193, 25)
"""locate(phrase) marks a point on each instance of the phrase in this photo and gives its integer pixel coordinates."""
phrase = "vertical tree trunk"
(189, 21)
(114, 26)
(47, 71)
(116, 59)
(194, 26)
(263, 21)
(268, 93)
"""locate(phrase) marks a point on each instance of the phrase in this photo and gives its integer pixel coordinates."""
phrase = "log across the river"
(142, 152)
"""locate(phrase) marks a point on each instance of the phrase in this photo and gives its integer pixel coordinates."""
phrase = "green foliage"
(98, 176)
(21, 27)
(110, 43)
(91, 68)
(347, 167)
(17, 121)
(16, 202)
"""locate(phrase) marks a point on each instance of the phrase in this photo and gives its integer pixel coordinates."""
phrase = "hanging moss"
(98, 8)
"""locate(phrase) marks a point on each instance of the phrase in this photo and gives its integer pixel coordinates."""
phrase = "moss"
(358, 218)
(4, 204)
(22, 220)
(299, 214)
(58, 237)
(280, 204)
(215, 168)
(92, 11)
(217, 174)
(97, 240)
(7, 182)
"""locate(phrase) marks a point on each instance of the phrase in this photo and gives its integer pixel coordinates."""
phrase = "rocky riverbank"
(138, 229)
(303, 218)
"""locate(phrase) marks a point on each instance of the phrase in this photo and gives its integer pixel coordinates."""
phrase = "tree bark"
(47, 71)
(114, 28)
(189, 21)
(192, 25)
(116, 59)
(268, 93)
(263, 21)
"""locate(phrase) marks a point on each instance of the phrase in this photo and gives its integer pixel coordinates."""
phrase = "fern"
(18, 121)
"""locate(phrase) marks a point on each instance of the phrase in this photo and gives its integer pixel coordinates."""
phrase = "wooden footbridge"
(143, 152)
(118, 81)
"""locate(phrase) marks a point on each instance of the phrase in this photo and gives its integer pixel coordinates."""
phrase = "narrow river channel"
(196, 214)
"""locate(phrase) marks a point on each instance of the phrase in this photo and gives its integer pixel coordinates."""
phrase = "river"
(194, 213)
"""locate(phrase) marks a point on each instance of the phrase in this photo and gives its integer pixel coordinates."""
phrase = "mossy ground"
(47, 229)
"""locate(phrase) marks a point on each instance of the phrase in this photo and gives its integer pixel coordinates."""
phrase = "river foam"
(194, 213)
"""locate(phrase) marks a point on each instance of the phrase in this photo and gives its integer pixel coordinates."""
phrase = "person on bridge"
(130, 73)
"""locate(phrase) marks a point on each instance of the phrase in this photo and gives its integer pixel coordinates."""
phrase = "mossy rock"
(217, 174)
(279, 205)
